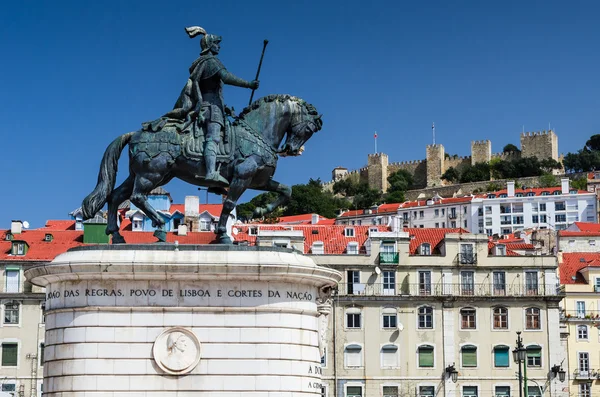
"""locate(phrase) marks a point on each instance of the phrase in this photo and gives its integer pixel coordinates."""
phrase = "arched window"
(353, 356)
(389, 356)
(582, 332)
(468, 318)
(532, 318)
(425, 356)
(501, 356)
(469, 356)
(500, 318)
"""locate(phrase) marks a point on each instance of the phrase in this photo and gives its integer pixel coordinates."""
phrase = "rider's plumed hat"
(207, 41)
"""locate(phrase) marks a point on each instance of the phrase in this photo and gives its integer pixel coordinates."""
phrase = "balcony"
(452, 215)
(388, 258)
(466, 259)
(441, 290)
(584, 375)
(586, 315)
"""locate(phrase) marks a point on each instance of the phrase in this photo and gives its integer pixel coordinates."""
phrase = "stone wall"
(435, 164)
(481, 151)
(457, 162)
(378, 171)
(418, 169)
(542, 144)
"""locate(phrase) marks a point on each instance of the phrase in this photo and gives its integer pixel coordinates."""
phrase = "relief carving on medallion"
(176, 351)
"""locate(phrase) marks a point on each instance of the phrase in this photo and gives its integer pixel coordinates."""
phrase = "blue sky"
(74, 75)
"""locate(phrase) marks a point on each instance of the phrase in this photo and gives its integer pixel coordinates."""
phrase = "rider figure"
(202, 98)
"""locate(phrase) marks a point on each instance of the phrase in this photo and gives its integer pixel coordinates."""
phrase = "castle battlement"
(537, 133)
(408, 162)
(482, 142)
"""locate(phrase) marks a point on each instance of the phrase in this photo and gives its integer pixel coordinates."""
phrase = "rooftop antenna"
(375, 142)
(433, 131)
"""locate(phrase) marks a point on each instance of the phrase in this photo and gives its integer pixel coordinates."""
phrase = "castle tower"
(542, 144)
(339, 173)
(435, 164)
(378, 171)
(481, 151)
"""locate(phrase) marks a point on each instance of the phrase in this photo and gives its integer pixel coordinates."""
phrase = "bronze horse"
(157, 157)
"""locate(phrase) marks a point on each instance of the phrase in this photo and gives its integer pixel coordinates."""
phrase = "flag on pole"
(375, 134)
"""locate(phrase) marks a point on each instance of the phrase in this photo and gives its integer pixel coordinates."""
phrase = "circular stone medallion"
(176, 351)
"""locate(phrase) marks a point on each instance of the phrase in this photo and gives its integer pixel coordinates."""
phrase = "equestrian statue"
(198, 143)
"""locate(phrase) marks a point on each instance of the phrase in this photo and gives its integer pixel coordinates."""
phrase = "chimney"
(510, 189)
(396, 224)
(182, 230)
(16, 227)
(564, 185)
(192, 205)
(314, 219)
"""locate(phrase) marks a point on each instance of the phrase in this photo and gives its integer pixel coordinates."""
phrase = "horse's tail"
(106, 177)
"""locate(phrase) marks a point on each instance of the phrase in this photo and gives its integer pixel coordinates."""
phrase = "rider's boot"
(210, 157)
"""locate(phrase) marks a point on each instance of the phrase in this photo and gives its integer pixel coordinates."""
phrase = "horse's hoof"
(161, 235)
(117, 239)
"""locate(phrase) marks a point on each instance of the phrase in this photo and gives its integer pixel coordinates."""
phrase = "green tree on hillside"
(510, 148)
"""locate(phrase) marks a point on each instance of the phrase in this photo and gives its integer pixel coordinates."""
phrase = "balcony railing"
(580, 315)
(463, 290)
(466, 259)
(590, 374)
(452, 215)
(388, 258)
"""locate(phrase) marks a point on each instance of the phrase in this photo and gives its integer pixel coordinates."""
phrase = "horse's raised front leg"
(236, 189)
(118, 196)
(285, 193)
(141, 187)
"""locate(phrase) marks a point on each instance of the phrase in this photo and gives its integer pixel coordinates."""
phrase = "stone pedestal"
(162, 320)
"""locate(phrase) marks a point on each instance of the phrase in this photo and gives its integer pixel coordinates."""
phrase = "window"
(11, 313)
(354, 285)
(352, 248)
(501, 356)
(560, 218)
(592, 243)
(426, 391)
(580, 309)
(204, 225)
(530, 194)
(469, 356)
(424, 283)
(9, 386)
(467, 257)
(500, 318)
(48, 237)
(353, 391)
(542, 207)
(534, 356)
(349, 232)
(324, 358)
(353, 319)
(502, 391)
(43, 312)
(353, 356)
(9, 354)
(389, 282)
(436, 212)
(584, 390)
(469, 391)
(136, 224)
(534, 391)
(426, 317)
(11, 280)
(532, 318)
(583, 362)
(425, 249)
(41, 355)
(545, 193)
(253, 231)
(535, 219)
(559, 206)
(390, 391)
(281, 244)
(389, 356)
(421, 214)
(18, 248)
(531, 283)
(499, 283)
(488, 209)
(468, 317)
(582, 332)
(389, 318)
(467, 282)
(425, 356)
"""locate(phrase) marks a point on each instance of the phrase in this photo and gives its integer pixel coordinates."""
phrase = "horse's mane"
(276, 97)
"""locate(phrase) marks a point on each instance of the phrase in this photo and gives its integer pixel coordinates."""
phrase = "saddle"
(192, 142)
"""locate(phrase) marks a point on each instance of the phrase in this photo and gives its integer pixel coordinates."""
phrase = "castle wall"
(481, 151)
(378, 171)
(417, 168)
(435, 164)
(542, 144)
(456, 162)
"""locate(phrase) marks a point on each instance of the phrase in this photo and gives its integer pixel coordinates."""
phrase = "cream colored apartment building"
(414, 303)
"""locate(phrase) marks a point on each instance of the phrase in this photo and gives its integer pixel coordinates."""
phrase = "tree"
(367, 197)
(475, 173)
(395, 197)
(579, 183)
(548, 180)
(510, 148)
(593, 144)
(400, 181)
(245, 210)
(582, 161)
(451, 175)
(312, 199)
(346, 187)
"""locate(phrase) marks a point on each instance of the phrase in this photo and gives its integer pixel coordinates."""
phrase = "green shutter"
(501, 357)
(426, 356)
(353, 391)
(534, 352)
(469, 356)
(9, 354)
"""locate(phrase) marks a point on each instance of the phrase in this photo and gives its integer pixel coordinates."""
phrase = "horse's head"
(305, 121)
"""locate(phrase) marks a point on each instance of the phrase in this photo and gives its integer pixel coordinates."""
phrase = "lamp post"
(520, 357)
(558, 370)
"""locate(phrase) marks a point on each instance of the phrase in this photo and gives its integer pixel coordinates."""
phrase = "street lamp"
(558, 370)
(452, 373)
(520, 357)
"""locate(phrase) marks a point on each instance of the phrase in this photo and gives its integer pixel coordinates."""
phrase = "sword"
(259, 66)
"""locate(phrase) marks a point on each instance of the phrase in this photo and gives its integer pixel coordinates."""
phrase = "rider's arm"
(231, 79)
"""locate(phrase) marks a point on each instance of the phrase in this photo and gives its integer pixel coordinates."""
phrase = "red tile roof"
(441, 201)
(537, 191)
(54, 224)
(587, 226)
(381, 209)
(583, 229)
(432, 236)
(40, 250)
(213, 209)
(302, 219)
(573, 262)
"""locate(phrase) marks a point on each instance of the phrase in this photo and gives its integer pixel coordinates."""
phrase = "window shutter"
(354, 391)
(469, 356)
(12, 280)
(534, 352)
(9, 354)
(501, 357)
(353, 356)
(426, 356)
(389, 356)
